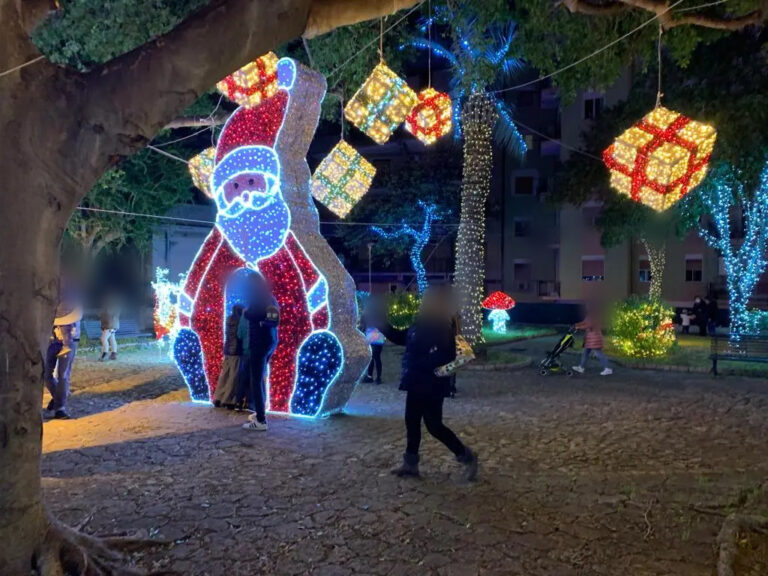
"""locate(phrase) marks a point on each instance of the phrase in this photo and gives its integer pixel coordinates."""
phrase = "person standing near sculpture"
(58, 360)
(263, 318)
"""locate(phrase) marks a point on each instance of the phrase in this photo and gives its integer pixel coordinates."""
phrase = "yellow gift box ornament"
(661, 158)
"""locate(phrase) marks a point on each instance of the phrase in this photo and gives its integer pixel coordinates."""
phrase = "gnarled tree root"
(68, 552)
(728, 539)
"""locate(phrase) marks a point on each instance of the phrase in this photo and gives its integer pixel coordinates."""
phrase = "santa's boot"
(320, 361)
(189, 358)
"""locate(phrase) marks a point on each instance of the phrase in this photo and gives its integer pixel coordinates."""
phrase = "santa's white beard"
(256, 234)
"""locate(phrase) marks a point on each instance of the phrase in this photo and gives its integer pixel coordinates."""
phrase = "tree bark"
(666, 17)
(478, 118)
(61, 130)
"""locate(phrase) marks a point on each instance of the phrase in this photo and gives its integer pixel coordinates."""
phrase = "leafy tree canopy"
(85, 33)
(145, 183)
(724, 84)
(432, 178)
(551, 36)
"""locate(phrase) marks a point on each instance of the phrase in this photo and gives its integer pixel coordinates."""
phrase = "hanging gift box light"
(381, 104)
(253, 83)
(430, 119)
(661, 158)
(201, 168)
(342, 178)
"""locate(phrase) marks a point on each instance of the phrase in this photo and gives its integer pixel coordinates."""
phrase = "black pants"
(375, 361)
(243, 396)
(258, 392)
(430, 408)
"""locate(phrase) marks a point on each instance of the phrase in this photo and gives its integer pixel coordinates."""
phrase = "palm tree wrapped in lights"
(478, 52)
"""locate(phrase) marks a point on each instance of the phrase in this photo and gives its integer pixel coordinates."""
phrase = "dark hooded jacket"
(429, 344)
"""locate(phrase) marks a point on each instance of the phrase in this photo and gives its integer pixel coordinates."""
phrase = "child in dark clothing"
(429, 343)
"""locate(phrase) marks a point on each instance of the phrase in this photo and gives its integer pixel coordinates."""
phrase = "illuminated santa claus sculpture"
(267, 224)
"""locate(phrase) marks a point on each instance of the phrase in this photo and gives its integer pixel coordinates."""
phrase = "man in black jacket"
(263, 317)
(429, 343)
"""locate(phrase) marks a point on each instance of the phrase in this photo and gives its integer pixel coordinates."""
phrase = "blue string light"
(745, 264)
(188, 355)
(420, 241)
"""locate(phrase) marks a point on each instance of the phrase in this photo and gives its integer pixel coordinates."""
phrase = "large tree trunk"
(478, 119)
(60, 132)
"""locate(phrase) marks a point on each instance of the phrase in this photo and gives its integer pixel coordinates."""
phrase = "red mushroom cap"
(499, 301)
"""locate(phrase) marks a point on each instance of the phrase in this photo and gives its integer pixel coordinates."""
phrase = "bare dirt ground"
(630, 475)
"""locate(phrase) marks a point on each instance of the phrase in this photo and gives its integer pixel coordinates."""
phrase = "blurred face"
(434, 305)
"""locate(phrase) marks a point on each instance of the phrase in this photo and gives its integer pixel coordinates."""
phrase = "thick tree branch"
(666, 17)
(325, 15)
(595, 9)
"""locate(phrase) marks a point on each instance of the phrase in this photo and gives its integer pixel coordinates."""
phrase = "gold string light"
(661, 158)
(342, 178)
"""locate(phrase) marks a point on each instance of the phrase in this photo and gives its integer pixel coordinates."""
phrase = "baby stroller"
(552, 363)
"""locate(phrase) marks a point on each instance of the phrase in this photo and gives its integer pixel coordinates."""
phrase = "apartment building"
(541, 252)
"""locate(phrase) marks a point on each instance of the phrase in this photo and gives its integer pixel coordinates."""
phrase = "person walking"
(429, 343)
(226, 388)
(700, 314)
(593, 342)
(263, 317)
(58, 360)
(110, 324)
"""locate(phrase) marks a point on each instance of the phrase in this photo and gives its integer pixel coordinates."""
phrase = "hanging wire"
(429, 37)
(198, 221)
(164, 153)
(341, 115)
(20, 66)
(658, 56)
(381, 39)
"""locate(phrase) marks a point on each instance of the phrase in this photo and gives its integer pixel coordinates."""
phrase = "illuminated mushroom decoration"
(498, 303)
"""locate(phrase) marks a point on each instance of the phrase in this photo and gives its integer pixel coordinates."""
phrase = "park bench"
(743, 349)
(129, 328)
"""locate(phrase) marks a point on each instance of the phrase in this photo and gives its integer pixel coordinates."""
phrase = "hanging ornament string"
(429, 37)
(658, 56)
(341, 101)
(381, 39)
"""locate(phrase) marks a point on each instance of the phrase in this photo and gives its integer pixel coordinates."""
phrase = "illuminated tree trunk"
(657, 257)
(478, 120)
(62, 130)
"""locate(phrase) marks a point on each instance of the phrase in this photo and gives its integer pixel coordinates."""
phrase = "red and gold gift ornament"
(430, 119)
(381, 104)
(253, 83)
(200, 168)
(661, 158)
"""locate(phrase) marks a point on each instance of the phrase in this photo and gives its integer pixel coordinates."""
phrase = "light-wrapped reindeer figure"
(267, 224)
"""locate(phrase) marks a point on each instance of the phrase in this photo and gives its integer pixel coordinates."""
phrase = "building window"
(593, 105)
(644, 270)
(694, 267)
(522, 228)
(524, 185)
(592, 268)
(522, 275)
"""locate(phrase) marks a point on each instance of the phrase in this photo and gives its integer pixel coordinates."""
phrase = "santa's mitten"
(189, 358)
(320, 362)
